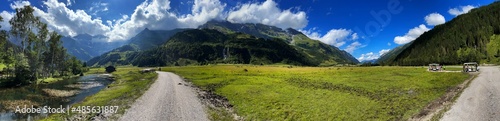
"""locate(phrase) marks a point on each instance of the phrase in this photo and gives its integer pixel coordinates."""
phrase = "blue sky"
(365, 28)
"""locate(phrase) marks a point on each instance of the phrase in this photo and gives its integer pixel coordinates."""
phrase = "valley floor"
(327, 93)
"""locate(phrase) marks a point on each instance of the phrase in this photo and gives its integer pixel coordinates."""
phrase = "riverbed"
(58, 94)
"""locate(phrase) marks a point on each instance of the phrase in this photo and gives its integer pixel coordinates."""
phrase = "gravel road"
(480, 101)
(168, 99)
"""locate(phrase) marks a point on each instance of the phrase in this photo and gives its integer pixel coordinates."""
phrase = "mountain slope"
(146, 39)
(258, 30)
(85, 46)
(389, 57)
(323, 53)
(468, 37)
(210, 46)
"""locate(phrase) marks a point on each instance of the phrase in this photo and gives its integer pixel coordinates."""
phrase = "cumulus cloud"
(155, 14)
(434, 19)
(368, 56)
(268, 13)
(59, 18)
(69, 22)
(6, 17)
(461, 10)
(335, 37)
(372, 56)
(411, 35)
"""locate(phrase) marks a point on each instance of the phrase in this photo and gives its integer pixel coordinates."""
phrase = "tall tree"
(54, 49)
(32, 33)
(39, 48)
(23, 23)
(3, 39)
(6, 52)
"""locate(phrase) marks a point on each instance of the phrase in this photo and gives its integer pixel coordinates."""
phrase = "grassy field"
(454, 69)
(308, 93)
(129, 85)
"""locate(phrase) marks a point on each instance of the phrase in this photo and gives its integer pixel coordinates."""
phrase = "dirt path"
(480, 101)
(168, 99)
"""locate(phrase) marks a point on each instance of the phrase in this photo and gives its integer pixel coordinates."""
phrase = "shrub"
(110, 69)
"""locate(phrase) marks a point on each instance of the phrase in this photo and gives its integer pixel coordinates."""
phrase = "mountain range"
(144, 40)
(147, 41)
(324, 54)
(85, 46)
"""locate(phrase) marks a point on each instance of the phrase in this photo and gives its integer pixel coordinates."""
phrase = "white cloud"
(6, 17)
(383, 51)
(389, 44)
(155, 15)
(69, 2)
(411, 35)
(353, 46)
(354, 36)
(461, 10)
(335, 37)
(372, 56)
(434, 19)
(69, 22)
(19, 4)
(368, 56)
(98, 7)
(268, 13)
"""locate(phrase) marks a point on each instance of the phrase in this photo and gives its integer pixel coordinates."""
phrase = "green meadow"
(326, 93)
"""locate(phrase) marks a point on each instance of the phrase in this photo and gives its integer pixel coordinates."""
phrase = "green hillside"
(257, 30)
(387, 58)
(322, 53)
(468, 37)
(208, 46)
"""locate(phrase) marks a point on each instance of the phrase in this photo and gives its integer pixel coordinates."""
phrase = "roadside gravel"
(480, 101)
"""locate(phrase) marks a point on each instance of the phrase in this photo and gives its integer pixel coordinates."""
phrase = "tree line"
(40, 54)
(469, 37)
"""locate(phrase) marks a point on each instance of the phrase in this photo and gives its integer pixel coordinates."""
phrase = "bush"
(110, 69)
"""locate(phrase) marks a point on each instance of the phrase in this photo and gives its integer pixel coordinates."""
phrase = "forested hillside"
(207, 46)
(257, 30)
(322, 53)
(468, 37)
